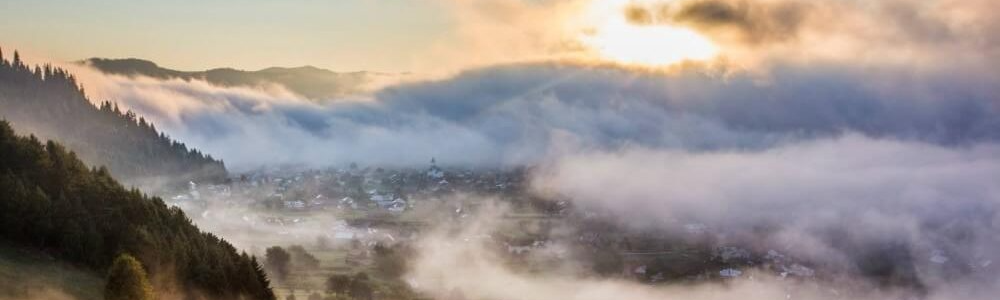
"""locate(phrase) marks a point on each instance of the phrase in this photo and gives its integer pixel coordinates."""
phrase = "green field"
(26, 274)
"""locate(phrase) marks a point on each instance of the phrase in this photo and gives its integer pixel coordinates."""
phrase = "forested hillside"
(47, 102)
(51, 201)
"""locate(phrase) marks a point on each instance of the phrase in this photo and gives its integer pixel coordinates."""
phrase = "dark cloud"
(756, 23)
(915, 24)
(639, 15)
(817, 101)
(747, 21)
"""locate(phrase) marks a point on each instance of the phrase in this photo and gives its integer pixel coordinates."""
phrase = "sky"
(878, 117)
(529, 78)
(344, 35)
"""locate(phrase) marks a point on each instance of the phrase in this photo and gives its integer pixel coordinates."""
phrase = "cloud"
(753, 22)
(522, 114)
(749, 34)
(486, 33)
(831, 201)
(460, 262)
(893, 69)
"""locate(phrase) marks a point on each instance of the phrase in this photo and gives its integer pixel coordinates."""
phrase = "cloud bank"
(862, 191)
(836, 163)
(523, 114)
(456, 262)
(789, 70)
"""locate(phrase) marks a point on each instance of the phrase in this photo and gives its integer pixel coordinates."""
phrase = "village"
(345, 220)
(342, 215)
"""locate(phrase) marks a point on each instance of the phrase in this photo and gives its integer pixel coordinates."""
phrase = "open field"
(26, 274)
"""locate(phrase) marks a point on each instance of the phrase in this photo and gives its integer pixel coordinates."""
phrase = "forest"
(54, 203)
(48, 102)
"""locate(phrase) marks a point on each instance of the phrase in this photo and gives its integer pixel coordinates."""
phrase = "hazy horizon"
(200, 35)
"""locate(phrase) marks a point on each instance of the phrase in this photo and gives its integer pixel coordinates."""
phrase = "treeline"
(48, 102)
(310, 82)
(389, 266)
(50, 200)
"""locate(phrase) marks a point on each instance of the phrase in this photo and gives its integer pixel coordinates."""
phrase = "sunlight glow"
(647, 45)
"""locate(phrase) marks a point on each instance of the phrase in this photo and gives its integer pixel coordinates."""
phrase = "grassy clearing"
(26, 274)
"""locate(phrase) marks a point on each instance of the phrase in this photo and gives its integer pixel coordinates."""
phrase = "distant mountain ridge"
(308, 81)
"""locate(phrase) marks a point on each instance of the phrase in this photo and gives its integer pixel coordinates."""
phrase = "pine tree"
(127, 280)
(277, 261)
(266, 293)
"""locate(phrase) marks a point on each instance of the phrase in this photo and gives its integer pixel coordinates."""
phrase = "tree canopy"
(127, 280)
(51, 201)
(278, 260)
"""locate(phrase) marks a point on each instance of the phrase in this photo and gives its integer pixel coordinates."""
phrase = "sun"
(654, 45)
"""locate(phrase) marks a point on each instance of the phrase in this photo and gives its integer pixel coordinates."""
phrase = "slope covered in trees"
(310, 82)
(47, 102)
(49, 200)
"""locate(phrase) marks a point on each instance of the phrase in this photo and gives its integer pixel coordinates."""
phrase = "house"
(798, 270)
(379, 198)
(640, 270)
(396, 206)
(343, 235)
(518, 250)
(938, 257)
(319, 200)
(732, 254)
(774, 256)
(695, 228)
(295, 204)
(730, 273)
(347, 202)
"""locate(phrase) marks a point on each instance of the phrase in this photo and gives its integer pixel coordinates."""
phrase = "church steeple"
(434, 171)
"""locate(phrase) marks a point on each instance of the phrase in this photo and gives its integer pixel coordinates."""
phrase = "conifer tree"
(127, 280)
(277, 261)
